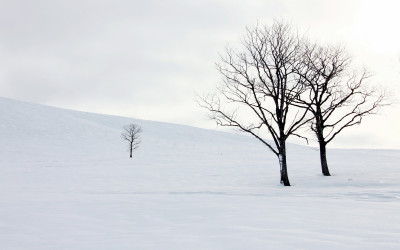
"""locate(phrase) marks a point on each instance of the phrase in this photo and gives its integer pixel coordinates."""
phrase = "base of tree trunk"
(326, 173)
(324, 162)
(285, 179)
(283, 166)
(324, 166)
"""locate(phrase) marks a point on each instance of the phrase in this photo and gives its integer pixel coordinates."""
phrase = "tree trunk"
(130, 150)
(321, 140)
(283, 166)
(322, 154)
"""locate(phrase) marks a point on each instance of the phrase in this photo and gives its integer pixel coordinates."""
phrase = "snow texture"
(67, 182)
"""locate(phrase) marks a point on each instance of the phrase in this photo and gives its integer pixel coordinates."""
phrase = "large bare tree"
(258, 88)
(337, 95)
(131, 134)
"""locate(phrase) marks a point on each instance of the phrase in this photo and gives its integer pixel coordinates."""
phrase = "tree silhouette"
(131, 134)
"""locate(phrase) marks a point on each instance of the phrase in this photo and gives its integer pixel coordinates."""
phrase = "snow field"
(67, 182)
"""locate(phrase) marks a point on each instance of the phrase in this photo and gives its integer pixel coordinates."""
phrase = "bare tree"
(258, 89)
(131, 134)
(338, 97)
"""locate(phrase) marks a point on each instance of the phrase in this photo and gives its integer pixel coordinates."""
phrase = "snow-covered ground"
(67, 182)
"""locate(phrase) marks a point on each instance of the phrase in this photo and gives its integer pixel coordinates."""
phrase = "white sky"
(147, 59)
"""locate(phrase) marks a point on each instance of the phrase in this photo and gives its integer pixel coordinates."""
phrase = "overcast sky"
(147, 59)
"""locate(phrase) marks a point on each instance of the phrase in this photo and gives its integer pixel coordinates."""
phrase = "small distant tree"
(131, 134)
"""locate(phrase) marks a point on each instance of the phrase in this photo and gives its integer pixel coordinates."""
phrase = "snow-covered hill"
(67, 182)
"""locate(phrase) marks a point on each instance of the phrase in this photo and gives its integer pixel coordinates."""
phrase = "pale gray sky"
(147, 59)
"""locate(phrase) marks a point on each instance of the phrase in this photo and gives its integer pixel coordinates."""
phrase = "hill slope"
(66, 182)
